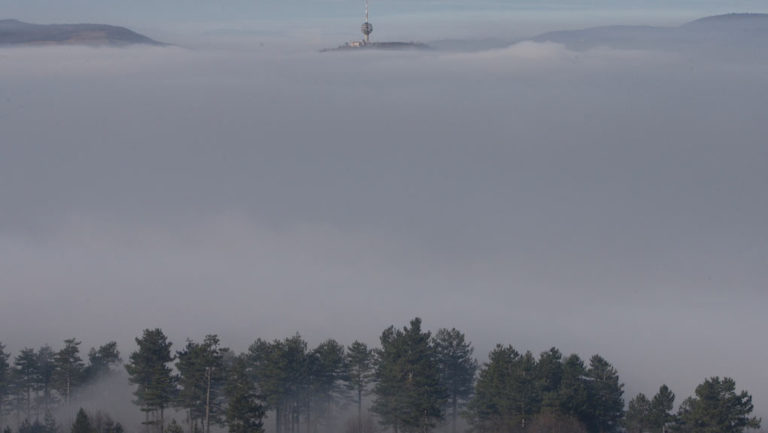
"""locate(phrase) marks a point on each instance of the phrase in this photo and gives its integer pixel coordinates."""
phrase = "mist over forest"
(413, 381)
(592, 190)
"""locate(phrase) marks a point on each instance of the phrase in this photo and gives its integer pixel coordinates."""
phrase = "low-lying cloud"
(601, 201)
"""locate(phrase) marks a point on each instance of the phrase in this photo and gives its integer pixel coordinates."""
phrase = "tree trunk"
(360, 410)
(29, 403)
(455, 409)
(208, 402)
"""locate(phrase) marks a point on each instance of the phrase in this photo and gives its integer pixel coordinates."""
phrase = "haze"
(242, 183)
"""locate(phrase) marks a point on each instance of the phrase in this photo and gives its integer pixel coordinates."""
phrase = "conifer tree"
(69, 368)
(101, 361)
(82, 423)
(148, 369)
(492, 409)
(25, 377)
(549, 377)
(573, 396)
(326, 374)
(409, 394)
(457, 368)
(280, 369)
(46, 369)
(359, 362)
(660, 413)
(201, 379)
(507, 394)
(245, 411)
(5, 382)
(606, 401)
(717, 408)
(637, 419)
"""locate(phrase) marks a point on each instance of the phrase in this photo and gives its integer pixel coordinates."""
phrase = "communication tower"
(367, 28)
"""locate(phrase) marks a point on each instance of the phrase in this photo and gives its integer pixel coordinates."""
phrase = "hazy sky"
(600, 201)
(138, 12)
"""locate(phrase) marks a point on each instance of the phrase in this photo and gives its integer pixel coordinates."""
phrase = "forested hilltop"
(414, 381)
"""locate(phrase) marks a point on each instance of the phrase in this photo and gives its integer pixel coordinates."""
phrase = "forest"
(414, 381)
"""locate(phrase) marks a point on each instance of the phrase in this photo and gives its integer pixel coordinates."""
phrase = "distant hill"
(14, 32)
(740, 22)
(737, 31)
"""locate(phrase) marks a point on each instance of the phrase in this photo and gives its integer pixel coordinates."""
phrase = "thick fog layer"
(603, 200)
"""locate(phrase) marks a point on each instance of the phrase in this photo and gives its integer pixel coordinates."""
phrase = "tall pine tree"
(359, 361)
(457, 368)
(69, 368)
(409, 394)
(201, 379)
(148, 368)
(661, 410)
(326, 374)
(25, 373)
(46, 370)
(245, 411)
(5, 382)
(638, 414)
(717, 408)
(606, 407)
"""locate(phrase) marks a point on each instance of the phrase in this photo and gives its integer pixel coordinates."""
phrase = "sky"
(242, 183)
(151, 14)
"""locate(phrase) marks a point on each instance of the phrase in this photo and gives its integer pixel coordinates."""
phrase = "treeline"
(414, 381)
(36, 382)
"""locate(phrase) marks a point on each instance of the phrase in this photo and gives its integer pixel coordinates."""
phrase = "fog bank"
(605, 200)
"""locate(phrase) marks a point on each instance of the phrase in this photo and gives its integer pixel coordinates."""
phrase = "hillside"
(734, 31)
(14, 32)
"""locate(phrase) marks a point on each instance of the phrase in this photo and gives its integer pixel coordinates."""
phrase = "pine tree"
(201, 378)
(326, 374)
(637, 419)
(606, 401)
(101, 361)
(280, 369)
(69, 368)
(661, 410)
(359, 362)
(25, 377)
(245, 411)
(492, 408)
(5, 382)
(82, 423)
(717, 408)
(507, 394)
(148, 369)
(573, 398)
(46, 370)
(457, 368)
(409, 394)
(549, 377)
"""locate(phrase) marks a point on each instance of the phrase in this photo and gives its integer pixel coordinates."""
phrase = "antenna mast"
(367, 28)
